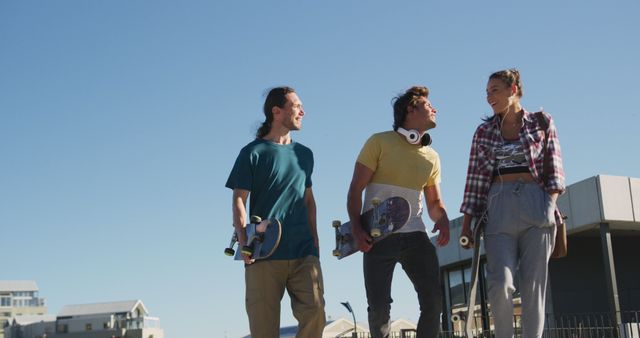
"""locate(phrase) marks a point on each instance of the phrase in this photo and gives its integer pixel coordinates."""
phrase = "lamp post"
(355, 327)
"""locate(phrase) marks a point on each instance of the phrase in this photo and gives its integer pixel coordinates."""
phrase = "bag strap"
(545, 158)
(546, 164)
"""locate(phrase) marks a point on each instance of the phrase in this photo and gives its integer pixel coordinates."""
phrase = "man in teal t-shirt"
(275, 174)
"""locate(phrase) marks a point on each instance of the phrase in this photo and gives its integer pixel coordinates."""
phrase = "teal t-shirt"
(276, 176)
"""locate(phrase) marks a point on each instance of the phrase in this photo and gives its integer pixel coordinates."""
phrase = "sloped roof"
(402, 323)
(18, 285)
(101, 308)
(340, 326)
(30, 319)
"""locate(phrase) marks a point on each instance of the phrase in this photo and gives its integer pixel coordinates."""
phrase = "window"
(467, 283)
(456, 287)
(87, 327)
(62, 328)
(5, 301)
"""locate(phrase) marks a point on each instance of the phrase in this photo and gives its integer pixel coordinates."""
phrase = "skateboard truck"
(246, 249)
(261, 228)
(229, 251)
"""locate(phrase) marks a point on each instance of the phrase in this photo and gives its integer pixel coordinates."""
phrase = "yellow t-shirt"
(400, 169)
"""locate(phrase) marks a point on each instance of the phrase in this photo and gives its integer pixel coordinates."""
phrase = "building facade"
(127, 319)
(19, 298)
(598, 279)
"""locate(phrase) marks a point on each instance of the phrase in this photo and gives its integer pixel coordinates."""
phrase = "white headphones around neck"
(413, 136)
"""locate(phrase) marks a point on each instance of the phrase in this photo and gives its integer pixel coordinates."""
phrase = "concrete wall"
(78, 324)
(602, 198)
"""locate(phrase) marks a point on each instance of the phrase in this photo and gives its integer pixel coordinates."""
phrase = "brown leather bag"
(560, 247)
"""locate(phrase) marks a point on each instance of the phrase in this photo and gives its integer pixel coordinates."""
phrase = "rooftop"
(18, 285)
(101, 308)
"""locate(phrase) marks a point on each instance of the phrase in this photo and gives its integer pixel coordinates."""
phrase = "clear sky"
(120, 121)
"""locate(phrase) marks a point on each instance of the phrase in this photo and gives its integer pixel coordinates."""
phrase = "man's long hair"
(277, 97)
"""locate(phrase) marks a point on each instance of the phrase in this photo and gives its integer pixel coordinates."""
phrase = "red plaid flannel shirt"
(482, 159)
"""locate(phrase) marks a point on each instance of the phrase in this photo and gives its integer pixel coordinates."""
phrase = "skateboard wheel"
(464, 240)
(336, 224)
(376, 201)
(247, 250)
(455, 318)
(336, 253)
(229, 252)
(256, 219)
(376, 232)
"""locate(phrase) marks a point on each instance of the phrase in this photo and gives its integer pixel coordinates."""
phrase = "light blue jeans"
(519, 236)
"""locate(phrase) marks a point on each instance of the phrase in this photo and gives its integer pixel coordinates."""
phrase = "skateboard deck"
(469, 316)
(383, 219)
(263, 238)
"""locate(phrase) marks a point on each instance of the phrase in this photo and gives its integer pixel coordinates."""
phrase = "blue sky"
(120, 121)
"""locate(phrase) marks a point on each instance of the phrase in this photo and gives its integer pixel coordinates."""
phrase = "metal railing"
(145, 322)
(410, 333)
(578, 325)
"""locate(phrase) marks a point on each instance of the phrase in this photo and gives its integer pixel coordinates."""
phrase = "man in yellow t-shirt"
(401, 163)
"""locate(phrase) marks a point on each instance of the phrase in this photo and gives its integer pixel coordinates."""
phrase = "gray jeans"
(519, 236)
(418, 259)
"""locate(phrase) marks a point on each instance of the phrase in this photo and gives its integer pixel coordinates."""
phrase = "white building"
(31, 326)
(19, 298)
(127, 319)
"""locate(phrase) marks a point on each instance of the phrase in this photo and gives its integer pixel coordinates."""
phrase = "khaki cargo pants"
(265, 285)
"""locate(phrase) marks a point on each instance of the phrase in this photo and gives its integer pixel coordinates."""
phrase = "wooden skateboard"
(478, 224)
(383, 219)
(263, 238)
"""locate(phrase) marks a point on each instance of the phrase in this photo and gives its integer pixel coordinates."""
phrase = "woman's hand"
(466, 232)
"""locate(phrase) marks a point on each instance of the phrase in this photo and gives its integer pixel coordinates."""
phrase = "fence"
(582, 325)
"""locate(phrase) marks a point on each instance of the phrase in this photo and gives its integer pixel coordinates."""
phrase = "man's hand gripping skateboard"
(257, 240)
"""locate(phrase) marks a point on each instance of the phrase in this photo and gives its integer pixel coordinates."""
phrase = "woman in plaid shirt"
(504, 178)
